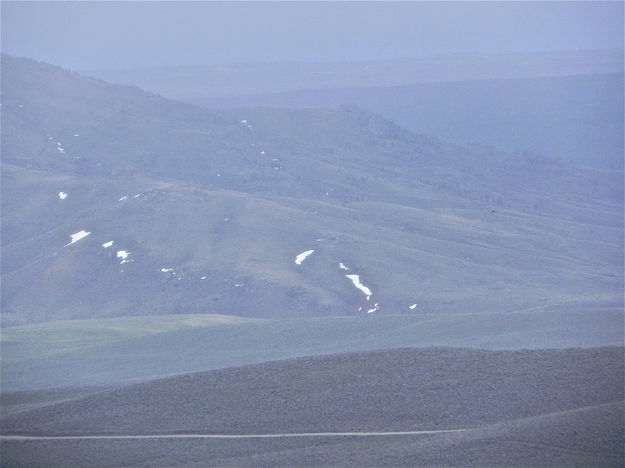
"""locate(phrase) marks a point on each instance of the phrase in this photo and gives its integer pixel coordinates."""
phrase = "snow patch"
(243, 121)
(123, 254)
(375, 308)
(356, 280)
(125, 197)
(165, 270)
(108, 244)
(301, 257)
(77, 236)
(62, 195)
(343, 267)
(413, 307)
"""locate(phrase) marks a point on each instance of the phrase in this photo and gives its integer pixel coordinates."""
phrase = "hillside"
(575, 118)
(530, 408)
(207, 212)
(125, 349)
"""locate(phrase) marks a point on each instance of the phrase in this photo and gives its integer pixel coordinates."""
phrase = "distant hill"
(576, 118)
(529, 408)
(208, 210)
(230, 80)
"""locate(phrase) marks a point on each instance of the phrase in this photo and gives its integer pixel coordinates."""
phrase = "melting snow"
(106, 245)
(243, 121)
(203, 277)
(375, 308)
(301, 257)
(356, 280)
(165, 270)
(61, 150)
(76, 237)
(343, 267)
(413, 307)
(125, 197)
(62, 195)
(137, 195)
(238, 285)
(262, 152)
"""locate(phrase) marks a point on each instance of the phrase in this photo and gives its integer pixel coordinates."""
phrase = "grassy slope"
(106, 351)
(403, 389)
(453, 229)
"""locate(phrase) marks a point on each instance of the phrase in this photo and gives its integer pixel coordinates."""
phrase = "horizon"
(127, 35)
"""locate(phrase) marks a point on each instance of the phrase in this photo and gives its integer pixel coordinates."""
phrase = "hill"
(124, 349)
(576, 118)
(531, 408)
(230, 80)
(118, 202)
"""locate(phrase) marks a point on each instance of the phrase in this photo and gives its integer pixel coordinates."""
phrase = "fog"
(93, 35)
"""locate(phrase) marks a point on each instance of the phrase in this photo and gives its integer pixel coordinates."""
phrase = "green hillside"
(109, 351)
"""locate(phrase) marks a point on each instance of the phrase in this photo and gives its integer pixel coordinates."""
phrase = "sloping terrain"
(219, 81)
(529, 408)
(207, 212)
(123, 349)
(576, 118)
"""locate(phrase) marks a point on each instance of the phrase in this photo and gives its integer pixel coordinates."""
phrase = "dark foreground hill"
(189, 210)
(521, 408)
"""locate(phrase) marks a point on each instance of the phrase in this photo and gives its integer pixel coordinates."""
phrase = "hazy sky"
(83, 35)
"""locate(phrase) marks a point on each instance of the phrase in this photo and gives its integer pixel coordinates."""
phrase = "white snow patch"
(375, 308)
(125, 197)
(413, 307)
(137, 195)
(356, 280)
(262, 152)
(76, 237)
(76, 135)
(165, 270)
(301, 257)
(249, 126)
(108, 244)
(243, 121)
(123, 254)
(203, 277)
(238, 285)
(342, 266)
(61, 150)
(62, 195)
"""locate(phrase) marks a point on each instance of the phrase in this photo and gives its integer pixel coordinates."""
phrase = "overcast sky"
(89, 35)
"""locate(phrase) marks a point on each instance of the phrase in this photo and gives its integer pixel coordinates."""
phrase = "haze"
(93, 35)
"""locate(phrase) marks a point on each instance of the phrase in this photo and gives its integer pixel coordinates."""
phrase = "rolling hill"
(575, 118)
(78, 353)
(530, 408)
(118, 202)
